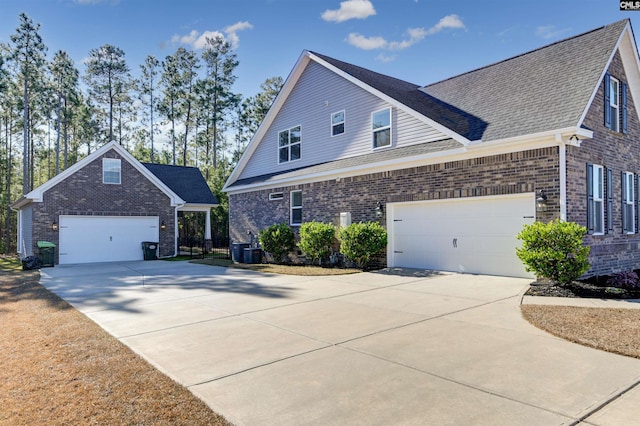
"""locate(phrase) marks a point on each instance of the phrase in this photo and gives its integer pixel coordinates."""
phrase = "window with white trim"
(381, 128)
(628, 203)
(614, 103)
(289, 142)
(595, 199)
(337, 123)
(296, 207)
(111, 171)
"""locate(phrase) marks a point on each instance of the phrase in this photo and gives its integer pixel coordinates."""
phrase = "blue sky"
(421, 41)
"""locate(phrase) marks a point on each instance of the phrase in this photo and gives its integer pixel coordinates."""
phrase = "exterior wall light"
(163, 226)
(54, 225)
(541, 201)
(379, 211)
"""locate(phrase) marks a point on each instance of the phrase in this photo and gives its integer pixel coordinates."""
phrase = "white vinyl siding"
(319, 93)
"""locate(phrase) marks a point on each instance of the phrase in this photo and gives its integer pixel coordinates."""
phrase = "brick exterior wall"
(83, 193)
(512, 173)
(614, 251)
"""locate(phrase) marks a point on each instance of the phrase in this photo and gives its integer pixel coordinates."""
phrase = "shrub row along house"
(102, 208)
(454, 169)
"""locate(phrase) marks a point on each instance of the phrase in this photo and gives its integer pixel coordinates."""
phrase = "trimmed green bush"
(554, 250)
(278, 240)
(361, 241)
(316, 239)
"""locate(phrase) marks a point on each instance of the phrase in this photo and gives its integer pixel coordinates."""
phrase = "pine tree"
(65, 80)
(147, 86)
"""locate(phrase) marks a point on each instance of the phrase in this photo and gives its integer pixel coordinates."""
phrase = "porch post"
(207, 226)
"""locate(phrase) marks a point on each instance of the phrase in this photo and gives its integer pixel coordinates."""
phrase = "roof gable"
(187, 182)
(37, 194)
(546, 89)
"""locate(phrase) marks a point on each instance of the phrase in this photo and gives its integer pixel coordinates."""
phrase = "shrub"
(627, 279)
(554, 250)
(361, 241)
(278, 240)
(316, 239)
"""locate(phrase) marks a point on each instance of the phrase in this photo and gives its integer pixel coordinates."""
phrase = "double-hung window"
(111, 171)
(296, 207)
(337, 123)
(595, 199)
(381, 128)
(289, 142)
(615, 104)
(628, 203)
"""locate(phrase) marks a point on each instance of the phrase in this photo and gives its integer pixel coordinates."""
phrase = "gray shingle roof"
(187, 182)
(357, 161)
(545, 89)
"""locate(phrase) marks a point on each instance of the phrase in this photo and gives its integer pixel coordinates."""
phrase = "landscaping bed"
(601, 287)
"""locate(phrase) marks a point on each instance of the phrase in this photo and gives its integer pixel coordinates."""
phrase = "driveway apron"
(388, 347)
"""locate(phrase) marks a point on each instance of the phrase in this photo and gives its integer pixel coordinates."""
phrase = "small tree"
(554, 250)
(361, 241)
(278, 240)
(316, 239)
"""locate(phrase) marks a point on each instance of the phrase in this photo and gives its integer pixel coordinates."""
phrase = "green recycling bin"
(150, 250)
(47, 253)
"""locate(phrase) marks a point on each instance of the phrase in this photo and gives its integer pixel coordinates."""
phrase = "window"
(615, 104)
(595, 199)
(111, 171)
(276, 196)
(296, 207)
(289, 145)
(628, 203)
(337, 123)
(381, 127)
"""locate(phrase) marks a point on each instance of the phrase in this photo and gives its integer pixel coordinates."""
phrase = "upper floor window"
(595, 198)
(628, 203)
(111, 171)
(615, 104)
(337, 123)
(289, 145)
(381, 127)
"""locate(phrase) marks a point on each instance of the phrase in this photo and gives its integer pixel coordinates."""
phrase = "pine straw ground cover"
(58, 367)
(612, 330)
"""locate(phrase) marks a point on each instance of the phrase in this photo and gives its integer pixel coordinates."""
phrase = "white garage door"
(85, 239)
(473, 235)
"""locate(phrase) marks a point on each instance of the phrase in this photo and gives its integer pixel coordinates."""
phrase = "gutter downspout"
(563, 180)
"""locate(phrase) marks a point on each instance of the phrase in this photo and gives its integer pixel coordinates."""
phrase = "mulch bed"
(582, 289)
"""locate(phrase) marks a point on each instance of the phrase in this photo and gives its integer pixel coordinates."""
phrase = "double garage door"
(473, 235)
(85, 239)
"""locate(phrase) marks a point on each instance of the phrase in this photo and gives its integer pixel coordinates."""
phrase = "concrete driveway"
(370, 348)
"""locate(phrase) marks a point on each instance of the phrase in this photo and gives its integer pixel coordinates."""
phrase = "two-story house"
(454, 169)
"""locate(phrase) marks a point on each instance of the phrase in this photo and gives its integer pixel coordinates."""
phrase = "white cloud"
(448, 22)
(415, 35)
(366, 43)
(350, 9)
(198, 40)
(550, 31)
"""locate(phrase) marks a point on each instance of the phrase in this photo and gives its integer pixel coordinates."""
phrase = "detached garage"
(473, 235)
(102, 208)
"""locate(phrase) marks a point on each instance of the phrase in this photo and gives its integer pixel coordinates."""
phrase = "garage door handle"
(528, 217)
(455, 243)
(396, 251)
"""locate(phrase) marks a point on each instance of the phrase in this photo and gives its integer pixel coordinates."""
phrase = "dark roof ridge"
(527, 53)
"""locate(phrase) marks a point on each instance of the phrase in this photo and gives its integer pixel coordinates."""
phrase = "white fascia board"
(629, 53)
(447, 131)
(37, 194)
(189, 207)
(279, 101)
(536, 141)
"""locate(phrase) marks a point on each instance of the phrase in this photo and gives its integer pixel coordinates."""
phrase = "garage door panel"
(87, 239)
(475, 235)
